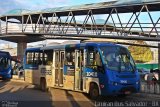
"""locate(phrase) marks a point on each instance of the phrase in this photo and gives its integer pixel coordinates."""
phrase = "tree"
(139, 53)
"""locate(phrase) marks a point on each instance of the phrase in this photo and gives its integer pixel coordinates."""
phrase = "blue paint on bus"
(113, 82)
(5, 65)
(31, 65)
(117, 73)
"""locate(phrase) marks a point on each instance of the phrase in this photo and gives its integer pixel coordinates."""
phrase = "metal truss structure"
(121, 21)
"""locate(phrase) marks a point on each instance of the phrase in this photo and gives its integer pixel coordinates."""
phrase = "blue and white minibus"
(93, 68)
(5, 65)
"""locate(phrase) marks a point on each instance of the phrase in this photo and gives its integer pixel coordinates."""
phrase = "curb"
(148, 95)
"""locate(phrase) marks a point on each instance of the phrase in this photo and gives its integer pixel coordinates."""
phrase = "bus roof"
(33, 49)
(5, 54)
(98, 44)
(93, 44)
(78, 45)
(53, 47)
(72, 45)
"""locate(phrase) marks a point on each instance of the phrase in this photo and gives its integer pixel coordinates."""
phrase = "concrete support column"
(20, 49)
(159, 56)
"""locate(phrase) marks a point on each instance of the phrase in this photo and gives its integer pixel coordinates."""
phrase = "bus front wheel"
(94, 91)
(43, 85)
(122, 95)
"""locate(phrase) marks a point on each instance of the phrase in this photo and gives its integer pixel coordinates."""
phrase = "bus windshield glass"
(117, 59)
(3, 62)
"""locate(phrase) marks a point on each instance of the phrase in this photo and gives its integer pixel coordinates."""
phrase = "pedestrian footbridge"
(119, 19)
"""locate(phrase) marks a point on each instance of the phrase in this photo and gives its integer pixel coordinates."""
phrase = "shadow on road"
(68, 98)
(22, 94)
(2, 83)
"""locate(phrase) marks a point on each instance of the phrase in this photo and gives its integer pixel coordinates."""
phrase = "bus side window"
(29, 57)
(90, 56)
(70, 58)
(97, 59)
(93, 57)
(48, 57)
(40, 58)
(34, 58)
(3, 62)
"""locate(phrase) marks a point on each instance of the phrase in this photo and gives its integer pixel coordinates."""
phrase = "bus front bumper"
(4, 75)
(121, 89)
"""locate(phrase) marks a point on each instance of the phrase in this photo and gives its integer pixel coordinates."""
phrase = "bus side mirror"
(11, 71)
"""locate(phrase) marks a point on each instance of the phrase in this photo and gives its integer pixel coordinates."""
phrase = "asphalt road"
(18, 93)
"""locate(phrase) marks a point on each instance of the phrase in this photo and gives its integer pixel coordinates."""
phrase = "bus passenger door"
(61, 68)
(56, 67)
(69, 69)
(78, 70)
(59, 59)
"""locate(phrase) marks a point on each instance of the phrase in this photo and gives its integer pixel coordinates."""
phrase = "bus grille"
(126, 76)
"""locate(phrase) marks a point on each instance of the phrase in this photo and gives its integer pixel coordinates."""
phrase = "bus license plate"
(127, 92)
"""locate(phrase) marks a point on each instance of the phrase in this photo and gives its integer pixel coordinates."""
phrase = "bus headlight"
(137, 82)
(115, 83)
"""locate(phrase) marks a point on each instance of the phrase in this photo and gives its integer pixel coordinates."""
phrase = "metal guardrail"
(54, 29)
(150, 86)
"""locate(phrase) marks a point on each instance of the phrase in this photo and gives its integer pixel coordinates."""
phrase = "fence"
(150, 87)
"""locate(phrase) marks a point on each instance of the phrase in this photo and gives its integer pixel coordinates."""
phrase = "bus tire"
(11, 74)
(93, 91)
(43, 85)
(122, 95)
(4, 79)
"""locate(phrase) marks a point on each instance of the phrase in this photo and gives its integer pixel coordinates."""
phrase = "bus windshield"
(3, 62)
(117, 59)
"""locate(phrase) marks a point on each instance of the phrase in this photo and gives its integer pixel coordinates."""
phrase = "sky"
(7, 5)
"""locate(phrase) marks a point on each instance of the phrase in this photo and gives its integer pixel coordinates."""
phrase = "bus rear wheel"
(94, 91)
(43, 85)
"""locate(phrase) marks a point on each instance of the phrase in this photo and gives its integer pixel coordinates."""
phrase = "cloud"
(41, 4)
(7, 5)
(2, 45)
